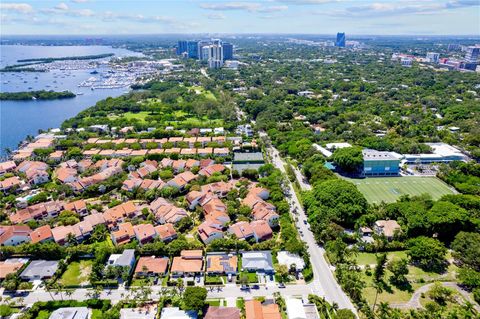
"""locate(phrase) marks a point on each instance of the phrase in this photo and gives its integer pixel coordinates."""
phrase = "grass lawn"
(370, 258)
(391, 295)
(213, 302)
(43, 314)
(139, 116)
(139, 282)
(252, 277)
(97, 314)
(416, 276)
(389, 189)
(201, 90)
(76, 273)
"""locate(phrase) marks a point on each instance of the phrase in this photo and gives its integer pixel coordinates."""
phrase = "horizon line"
(241, 34)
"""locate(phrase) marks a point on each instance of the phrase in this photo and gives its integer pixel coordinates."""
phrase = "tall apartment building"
(472, 54)
(340, 40)
(227, 51)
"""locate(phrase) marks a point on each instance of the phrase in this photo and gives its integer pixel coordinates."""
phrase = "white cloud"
(230, 6)
(242, 6)
(61, 6)
(79, 1)
(215, 16)
(307, 2)
(16, 7)
(405, 7)
(272, 9)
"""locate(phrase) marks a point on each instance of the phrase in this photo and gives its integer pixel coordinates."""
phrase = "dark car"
(281, 285)
(244, 287)
(255, 287)
(305, 221)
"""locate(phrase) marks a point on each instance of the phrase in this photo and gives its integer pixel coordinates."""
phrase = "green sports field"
(389, 189)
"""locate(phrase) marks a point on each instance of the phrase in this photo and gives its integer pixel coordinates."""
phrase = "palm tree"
(69, 293)
(378, 290)
(384, 310)
(48, 289)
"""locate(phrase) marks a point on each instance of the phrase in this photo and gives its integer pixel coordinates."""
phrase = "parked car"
(244, 287)
(305, 221)
(255, 287)
(229, 277)
(281, 285)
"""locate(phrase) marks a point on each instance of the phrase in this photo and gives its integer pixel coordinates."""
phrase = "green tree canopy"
(349, 159)
(427, 253)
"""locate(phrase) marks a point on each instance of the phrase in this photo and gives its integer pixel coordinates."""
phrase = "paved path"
(302, 181)
(324, 283)
(414, 301)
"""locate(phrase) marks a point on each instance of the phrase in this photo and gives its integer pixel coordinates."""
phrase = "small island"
(36, 95)
(82, 57)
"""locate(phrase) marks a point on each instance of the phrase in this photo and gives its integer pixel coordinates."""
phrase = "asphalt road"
(115, 295)
(324, 283)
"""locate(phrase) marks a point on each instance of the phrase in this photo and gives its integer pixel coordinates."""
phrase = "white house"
(295, 309)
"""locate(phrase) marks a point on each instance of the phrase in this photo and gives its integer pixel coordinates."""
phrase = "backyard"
(76, 274)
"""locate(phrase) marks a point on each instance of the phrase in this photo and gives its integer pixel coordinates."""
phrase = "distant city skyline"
(101, 17)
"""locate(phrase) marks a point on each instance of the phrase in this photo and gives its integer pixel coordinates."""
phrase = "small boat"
(79, 93)
(34, 98)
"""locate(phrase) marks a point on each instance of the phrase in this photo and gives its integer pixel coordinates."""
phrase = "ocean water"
(21, 118)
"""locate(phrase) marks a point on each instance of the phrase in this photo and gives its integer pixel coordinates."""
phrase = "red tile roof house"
(123, 235)
(117, 214)
(221, 151)
(261, 192)
(261, 230)
(145, 233)
(151, 266)
(206, 162)
(222, 313)
(41, 234)
(210, 170)
(145, 170)
(166, 212)
(83, 165)
(189, 263)
(182, 179)
(80, 231)
(265, 211)
(166, 162)
(193, 199)
(95, 219)
(152, 184)
(38, 211)
(242, 230)
(11, 182)
(192, 163)
(260, 208)
(209, 231)
(166, 232)
(35, 171)
(14, 235)
(6, 167)
(215, 210)
(66, 175)
(221, 188)
(131, 184)
(78, 206)
(179, 165)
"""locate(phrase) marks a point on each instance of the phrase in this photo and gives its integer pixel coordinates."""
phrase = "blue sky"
(382, 17)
